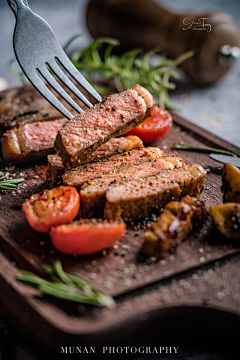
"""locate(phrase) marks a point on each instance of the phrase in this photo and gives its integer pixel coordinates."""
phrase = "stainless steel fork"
(37, 51)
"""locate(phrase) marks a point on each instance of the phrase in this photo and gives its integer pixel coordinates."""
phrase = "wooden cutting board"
(192, 290)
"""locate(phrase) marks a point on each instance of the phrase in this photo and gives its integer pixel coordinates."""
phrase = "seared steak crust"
(117, 114)
(93, 195)
(83, 173)
(138, 199)
(24, 104)
(55, 169)
(20, 105)
(115, 145)
(30, 141)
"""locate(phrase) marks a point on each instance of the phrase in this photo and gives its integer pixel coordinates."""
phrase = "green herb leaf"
(108, 72)
(66, 286)
(181, 146)
(9, 184)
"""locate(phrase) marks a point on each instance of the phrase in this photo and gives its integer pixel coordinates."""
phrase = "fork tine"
(72, 70)
(57, 87)
(36, 81)
(60, 74)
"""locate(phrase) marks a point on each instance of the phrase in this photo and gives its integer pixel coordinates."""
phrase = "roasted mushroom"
(231, 183)
(175, 223)
(226, 217)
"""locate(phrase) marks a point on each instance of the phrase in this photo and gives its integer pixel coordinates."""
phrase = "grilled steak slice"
(24, 104)
(93, 195)
(30, 141)
(83, 173)
(117, 114)
(55, 169)
(137, 199)
(175, 223)
(20, 105)
(115, 145)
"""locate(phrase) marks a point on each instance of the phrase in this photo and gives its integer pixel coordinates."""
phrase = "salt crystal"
(128, 282)
(166, 298)
(220, 295)
(162, 262)
(108, 285)
(122, 311)
(179, 291)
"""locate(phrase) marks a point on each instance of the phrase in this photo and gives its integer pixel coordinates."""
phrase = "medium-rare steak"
(117, 114)
(138, 199)
(55, 169)
(30, 141)
(116, 146)
(93, 195)
(24, 104)
(83, 173)
(113, 146)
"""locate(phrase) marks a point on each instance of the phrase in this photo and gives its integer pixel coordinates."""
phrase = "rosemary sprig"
(181, 146)
(66, 286)
(133, 67)
(109, 72)
(7, 184)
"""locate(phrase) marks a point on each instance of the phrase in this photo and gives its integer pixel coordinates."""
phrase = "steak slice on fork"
(114, 116)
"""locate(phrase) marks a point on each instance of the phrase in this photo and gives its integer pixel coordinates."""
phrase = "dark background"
(216, 108)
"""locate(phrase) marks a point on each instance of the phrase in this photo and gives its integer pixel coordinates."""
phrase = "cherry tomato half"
(52, 207)
(86, 237)
(155, 127)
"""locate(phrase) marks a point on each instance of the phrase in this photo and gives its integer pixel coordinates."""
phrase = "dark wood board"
(139, 286)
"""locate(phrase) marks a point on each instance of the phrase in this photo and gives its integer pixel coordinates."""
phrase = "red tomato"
(86, 236)
(52, 207)
(155, 127)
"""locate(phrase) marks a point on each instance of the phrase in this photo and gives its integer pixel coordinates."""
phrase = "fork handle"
(17, 5)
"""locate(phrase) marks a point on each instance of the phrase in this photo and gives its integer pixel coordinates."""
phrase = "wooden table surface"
(216, 108)
(193, 288)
